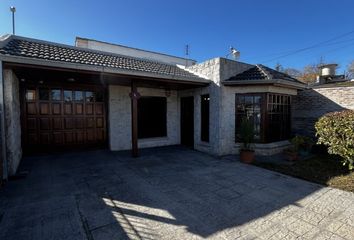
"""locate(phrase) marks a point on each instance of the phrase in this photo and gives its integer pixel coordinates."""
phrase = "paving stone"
(77, 196)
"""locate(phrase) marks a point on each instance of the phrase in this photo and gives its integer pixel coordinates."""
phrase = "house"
(59, 98)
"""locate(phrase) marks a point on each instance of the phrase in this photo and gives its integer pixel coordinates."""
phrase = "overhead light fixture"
(71, 80)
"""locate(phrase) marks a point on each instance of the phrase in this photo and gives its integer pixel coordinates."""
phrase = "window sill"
(153, 139)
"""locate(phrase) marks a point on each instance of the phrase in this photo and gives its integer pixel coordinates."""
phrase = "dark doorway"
(187, 121)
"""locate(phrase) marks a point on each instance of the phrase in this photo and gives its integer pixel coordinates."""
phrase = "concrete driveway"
(168, 193)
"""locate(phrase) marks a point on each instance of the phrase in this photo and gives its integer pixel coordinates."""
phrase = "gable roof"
(261, 74)
(47, 52)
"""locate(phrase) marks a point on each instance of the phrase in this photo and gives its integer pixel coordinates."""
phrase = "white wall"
(134, 52)
(120, 118)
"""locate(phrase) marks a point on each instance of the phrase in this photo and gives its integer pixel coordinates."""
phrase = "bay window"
(270, 114)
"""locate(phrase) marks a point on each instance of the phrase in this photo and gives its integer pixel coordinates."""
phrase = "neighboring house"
(58, 98)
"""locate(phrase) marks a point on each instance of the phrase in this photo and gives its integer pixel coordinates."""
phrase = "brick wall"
(309, 105)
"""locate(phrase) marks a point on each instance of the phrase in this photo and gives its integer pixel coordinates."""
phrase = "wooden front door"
(60, 118)
(187, 121)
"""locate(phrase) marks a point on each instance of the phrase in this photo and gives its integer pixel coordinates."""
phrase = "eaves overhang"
(99, 69)
(274, 82)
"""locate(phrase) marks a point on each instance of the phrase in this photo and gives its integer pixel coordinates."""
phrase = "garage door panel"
(100, 135)
(80, 137)
(69, 137)
(44, 123)
(79, 123)
(99, 122)
(56, 108)
(91, 136)
(32, 123)
(99, 108)
(58, 138)
(79, 108)
(68, 108)
(31, 108)
(90, 122)
(32, 139)
(69, 123)
(57, 123)
(44, 138)
(44, 108)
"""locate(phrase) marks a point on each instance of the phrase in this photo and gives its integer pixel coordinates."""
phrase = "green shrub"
(246, 133)
(336, 130)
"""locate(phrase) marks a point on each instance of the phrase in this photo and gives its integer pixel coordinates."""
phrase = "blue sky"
(261, 30)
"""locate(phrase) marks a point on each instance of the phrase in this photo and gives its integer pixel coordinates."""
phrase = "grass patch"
(321, 169)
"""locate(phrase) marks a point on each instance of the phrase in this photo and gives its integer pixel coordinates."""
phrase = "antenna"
(187, 53)
(235, 53)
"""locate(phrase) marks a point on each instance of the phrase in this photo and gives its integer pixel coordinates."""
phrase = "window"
(249, 106)
(270, 113)
(44, 94)
(205, 117)
(30, 94)
(56, 94)
(68, 95)
(278, 112)
(78, 96)
(90, 97)
(152, 113)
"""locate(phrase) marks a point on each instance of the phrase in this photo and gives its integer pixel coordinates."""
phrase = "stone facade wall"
(313, 103)
(12, 121)
(120, 118)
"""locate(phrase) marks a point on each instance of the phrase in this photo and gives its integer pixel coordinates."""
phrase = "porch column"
(134, 95)
(3, 160)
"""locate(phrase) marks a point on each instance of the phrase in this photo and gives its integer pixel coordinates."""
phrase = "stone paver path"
(167, 193)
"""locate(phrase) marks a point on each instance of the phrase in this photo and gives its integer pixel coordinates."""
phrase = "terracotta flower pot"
(246, 156)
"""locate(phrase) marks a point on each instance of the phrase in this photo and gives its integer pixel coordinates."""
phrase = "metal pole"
(13, 10)
(13, 23)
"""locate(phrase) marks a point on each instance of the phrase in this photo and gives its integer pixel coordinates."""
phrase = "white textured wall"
(12, 121)
(120, 118)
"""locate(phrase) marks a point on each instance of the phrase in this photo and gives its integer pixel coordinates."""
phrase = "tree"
(309, 73)
(350, 70)
(295, 73)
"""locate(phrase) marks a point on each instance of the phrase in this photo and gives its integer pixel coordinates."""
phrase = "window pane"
(99, 96)
(30, 95)
(68, 96)
(152, 114)
(251, 109)
(78, 96)
(278, 118)
(249, 99)
(257, 99)
(56, 94)
(44, 94)
(90, 97)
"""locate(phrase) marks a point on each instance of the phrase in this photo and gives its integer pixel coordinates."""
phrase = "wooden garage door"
(63, 118)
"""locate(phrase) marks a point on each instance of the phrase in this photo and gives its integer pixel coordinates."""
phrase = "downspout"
(2, 125)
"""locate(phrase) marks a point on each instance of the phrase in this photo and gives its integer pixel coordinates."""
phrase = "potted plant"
(292, 153)
(247, 138)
